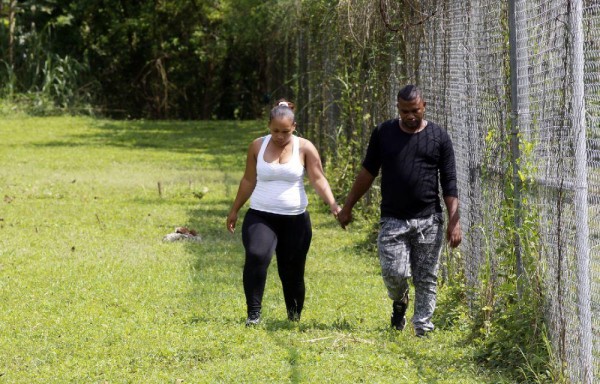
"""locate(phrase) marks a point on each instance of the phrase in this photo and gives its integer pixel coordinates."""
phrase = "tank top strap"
(296, 148)
(263, 146)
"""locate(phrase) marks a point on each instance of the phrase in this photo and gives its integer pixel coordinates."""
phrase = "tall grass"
(90, 294)
(43, 83)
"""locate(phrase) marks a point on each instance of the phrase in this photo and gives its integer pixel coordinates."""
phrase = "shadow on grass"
(284, 324)
(293, 354)
(223, 143)
(209, 221)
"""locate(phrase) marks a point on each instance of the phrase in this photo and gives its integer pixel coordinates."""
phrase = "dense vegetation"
(170, 59)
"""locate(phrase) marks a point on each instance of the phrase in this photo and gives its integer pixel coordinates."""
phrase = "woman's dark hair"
(283, 108)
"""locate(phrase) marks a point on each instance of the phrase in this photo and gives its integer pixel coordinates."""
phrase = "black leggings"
(289, 237)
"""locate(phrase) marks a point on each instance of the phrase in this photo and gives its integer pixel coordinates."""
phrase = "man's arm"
(453, 232)
(361, 185)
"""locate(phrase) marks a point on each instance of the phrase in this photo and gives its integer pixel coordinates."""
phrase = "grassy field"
(89, 293)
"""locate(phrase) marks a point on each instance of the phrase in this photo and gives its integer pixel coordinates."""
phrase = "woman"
(277, 220)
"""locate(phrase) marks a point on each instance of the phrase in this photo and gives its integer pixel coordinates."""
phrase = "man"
(415, 156)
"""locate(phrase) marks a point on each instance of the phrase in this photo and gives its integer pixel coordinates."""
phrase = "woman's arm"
(247, 185)
(316, 176)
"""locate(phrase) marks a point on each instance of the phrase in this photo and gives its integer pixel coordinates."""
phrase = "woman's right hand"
(335, 209)
(231, 221)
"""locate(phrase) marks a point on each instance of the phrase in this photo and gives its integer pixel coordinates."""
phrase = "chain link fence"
(521, 101)
(517, 85)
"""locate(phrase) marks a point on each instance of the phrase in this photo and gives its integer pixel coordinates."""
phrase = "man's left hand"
(454, 234)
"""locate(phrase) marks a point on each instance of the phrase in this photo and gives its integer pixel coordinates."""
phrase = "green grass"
(90, 294)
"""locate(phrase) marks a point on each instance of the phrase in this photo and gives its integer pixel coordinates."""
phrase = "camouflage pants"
(412, 248)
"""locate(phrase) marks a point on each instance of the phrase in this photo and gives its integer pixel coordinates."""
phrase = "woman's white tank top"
(279, 187)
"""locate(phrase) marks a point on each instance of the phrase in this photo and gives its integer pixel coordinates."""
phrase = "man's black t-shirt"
(410, 165)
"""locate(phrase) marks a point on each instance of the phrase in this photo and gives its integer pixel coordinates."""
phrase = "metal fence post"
(514, 138)
(582, 247)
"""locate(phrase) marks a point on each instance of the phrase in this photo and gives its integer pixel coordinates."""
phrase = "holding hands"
(344, 216)
(335, 209)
